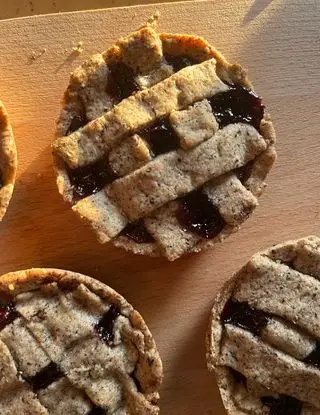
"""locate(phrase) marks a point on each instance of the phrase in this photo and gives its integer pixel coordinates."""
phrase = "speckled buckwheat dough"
(71, 345)
(263, 341)
(143, 125)
(8, 161)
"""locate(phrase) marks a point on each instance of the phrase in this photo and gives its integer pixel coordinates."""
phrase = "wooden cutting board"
(279, 42)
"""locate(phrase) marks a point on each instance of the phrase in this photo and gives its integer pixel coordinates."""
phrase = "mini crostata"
(71, 345)
(8, 161)
(263, 342)
(162, 146)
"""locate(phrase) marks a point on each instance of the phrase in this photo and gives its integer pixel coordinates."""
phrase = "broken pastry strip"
(81, 341)
(274, 369)
(140, 50)
(234, 201)
(183, 88)
(174, 174)
(194, 124)
(166, 229)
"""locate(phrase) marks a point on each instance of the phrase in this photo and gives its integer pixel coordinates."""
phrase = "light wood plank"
(279, 41)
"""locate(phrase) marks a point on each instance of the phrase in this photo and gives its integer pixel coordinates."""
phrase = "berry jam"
(122, 82)
(90, 179)
(78, 121)
(136, 382)
(104, 327)
(179, 62)
(137, 232)
(238, 377)
(199, 215)
(243, 173)
(97, 411)
(161, 137)
(45, 377)
(244, 316)
(314, 357)
(238, 104)
(8, 313)
(284, 405)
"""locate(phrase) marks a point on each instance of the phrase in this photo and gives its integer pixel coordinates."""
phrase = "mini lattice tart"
(263, 340)
(162, 146)
(71, 345)
(8, 161)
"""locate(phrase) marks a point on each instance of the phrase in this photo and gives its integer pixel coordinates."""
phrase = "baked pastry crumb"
(153, 119)
(263, 337)
(71, 345)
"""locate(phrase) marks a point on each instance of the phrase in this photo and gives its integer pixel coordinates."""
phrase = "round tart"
(8, 161)
(71, 345)
(263, 342)
(162, 146)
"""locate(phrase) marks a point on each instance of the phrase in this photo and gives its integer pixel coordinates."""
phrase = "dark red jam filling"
(180, 61)
(136, 382)
(45, 377)
(137, 232)
(78, 121)
(161, 137)
(238, 377)
(104, 327)
(8, 313)
(244, 316)
(122, 82)
(97, 411)
(284, 405)
(90, 179)
(197, 214)
(314, 357)
(243, 173)
(1, 179)
(238, 104)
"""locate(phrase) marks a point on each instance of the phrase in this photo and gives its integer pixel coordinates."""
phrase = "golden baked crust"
(77, 343)
(96, 125)
(8, 161)
(263, 335)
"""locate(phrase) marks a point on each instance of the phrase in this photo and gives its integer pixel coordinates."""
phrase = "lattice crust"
(263, 341)
(8, 161)
(71, 345)
(145, 124)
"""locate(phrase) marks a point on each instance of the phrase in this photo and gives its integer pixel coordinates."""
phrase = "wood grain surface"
(20, 8)
(279, 42)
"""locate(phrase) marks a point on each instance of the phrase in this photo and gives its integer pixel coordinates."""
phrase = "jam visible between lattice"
(197, 214)
(90, 179)
(238, 104)
(137, 232)
(105, 325)
(244, 316)
(284, 405)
